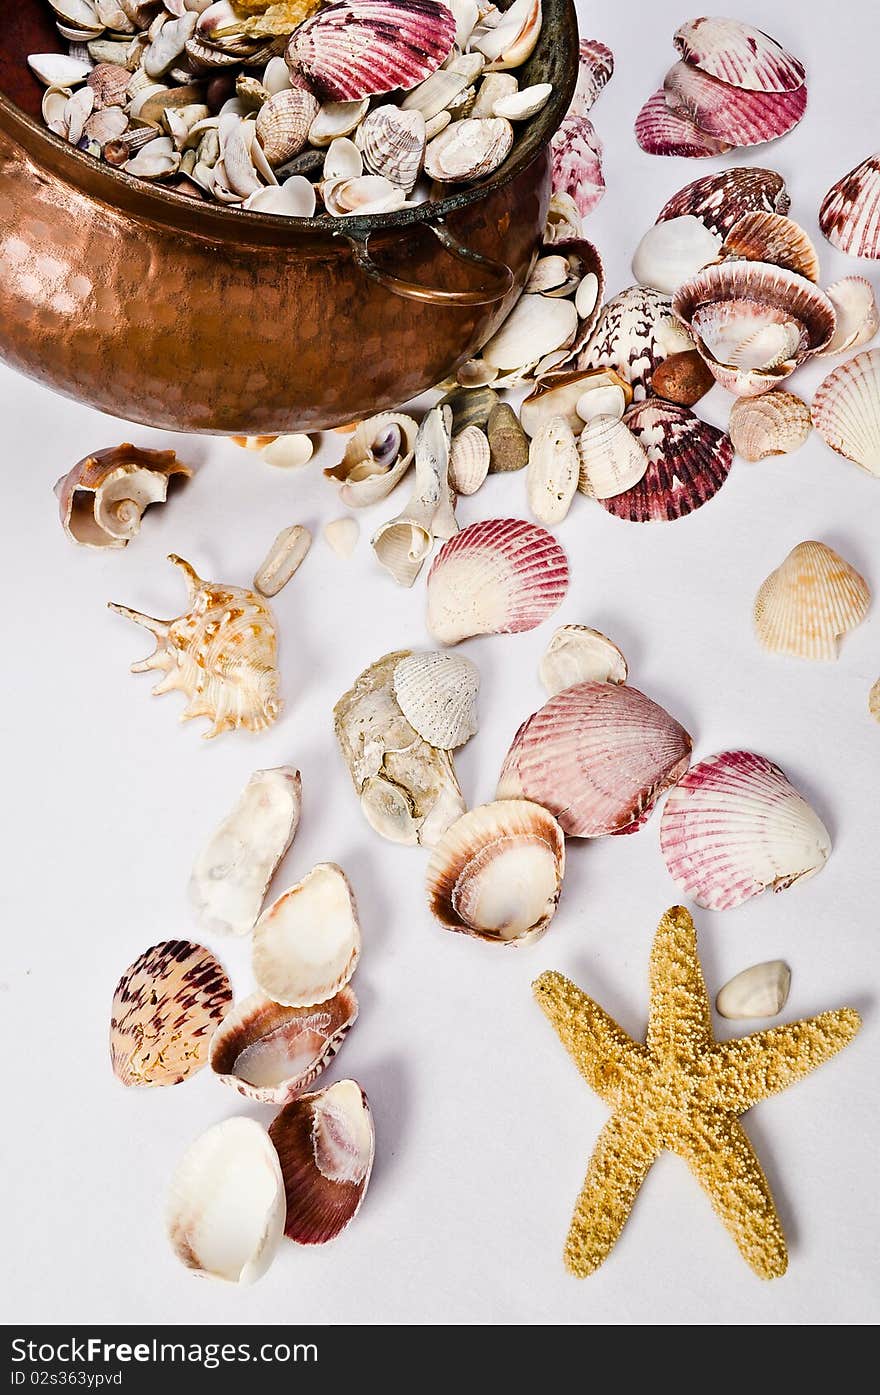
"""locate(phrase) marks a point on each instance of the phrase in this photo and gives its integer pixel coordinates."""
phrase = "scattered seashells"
(771, 237)
(272, 1053)
(672, 251)
(553, 472)
(850, 212)
(719, 200)
(225, 1211)
(774, 424)
(759, 991)
(231, 875)
(508, 443)
(362, 48)
(103, 498)
(688, 462)
(858, 319)
(469, 149)
(579, 654)
(635, 332)
(846, 410)
(682, 378)
(660, 130)
(308, 942)
(739, 54)
(283, 560)
(809, 602)
(498, 576)
(611, 459)
(469, 457)
(376, 458)
(437, 694)
(325, 1145)
(735, 826)
(497, 872)
(221, 654)
(165, 1009)
(341, 536)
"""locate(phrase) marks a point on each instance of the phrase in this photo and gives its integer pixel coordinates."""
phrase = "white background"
(483, 1125)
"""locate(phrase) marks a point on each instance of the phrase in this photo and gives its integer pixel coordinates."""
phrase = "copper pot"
(162, 310)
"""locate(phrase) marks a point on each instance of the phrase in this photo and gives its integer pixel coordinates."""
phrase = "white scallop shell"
(437, 694)
(846, 410)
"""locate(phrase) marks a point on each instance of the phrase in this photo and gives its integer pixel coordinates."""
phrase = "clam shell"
(662, 131)
(289, 452)
(635, 332)
(58, 70)
(509, 41)
(563, 220)
(560, 394)
(109, 82)
(469, 456)
(468, 149)
(595, 67)
(739, 54)
(308, 942)
(102, 499)
(225, 1210)
(493, 87)
(392, 142)
(508, 443)
(441, 89)
(770, 237)
(283, 559)
(735, 826)
(283, 124)
(520, 106)
(366, 193)
(437, 694)
(719, 200)
(688, 462)
(759, 991)
(362, 48)
(597, 756)
(579, 654)
(497, 872)
(341, 536)
(809, 602)
(325, 1145)
(271, 1053)
(850, 212)
(730, 114)
(536, 326)
(554, 471)
(577, 163)
(683, 378)
(672, 251)
(774, 424)
(165, 1009)
(335, 119)
(498, 576)
(295, 198)
(857, 316)
(376, 458)
(611, 459)
(846, 410)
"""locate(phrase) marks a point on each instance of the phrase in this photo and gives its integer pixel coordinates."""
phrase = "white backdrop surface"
(483, 1125)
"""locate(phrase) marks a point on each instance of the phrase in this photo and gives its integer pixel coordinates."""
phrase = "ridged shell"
(595, 67)
(719, 200)
(809, 602)
(846, 410)
(683, 378)
(759, 991)
(739, 54)
(874, 701)
(858, 319)
(735, 826)
(272, 1053)
(850, 212)
(498, 576)
(165, 1010)
(770, 237)
(597, 756)
(376, 458)
(662, 131)
(553, 471)
(325, 1144)
(497, 872)
(635, 331)
(102, 499)
(362, 48)
(611, 459)
(730, 114)
(468, 149)
(308, 942)
(579, 654)
(283, 124)
(393, 144)
(469, 456)
(688, 462)
(437, 694)
(776, 423)
(577, 163)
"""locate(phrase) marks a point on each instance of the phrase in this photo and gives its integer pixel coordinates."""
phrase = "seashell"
(874, 701)
(308, 942)
(78, 14)
(155, 160)
(607, 401)
(549, 273)
(595, 67)
(283, 124)
(470, 407)
(735, 826)
(719, 200)
(537, 325)
(857, 317)
(367, 193)
(341, 536)
(408, 789)
(442, 88)
(437, 694)
(337, 119)
(232, 874)
(672, 251)
(809, 602)
(288, 452)
(466, 14)
(493, 88)
(393, 144)
(251, 92)
(77, 111)
(688, 462)
(850, 212)
(165, 1009)
(403, 543)
(103, 498)
(342, 161)
(221, 654)
(738, 54)
(57, 70)
(106, 125)
(512, 39)
(283, 559)
(54, 109)
(846, 410)
(438, 123)
(611, 459)
(683, 378)
(635, 332)
(562, 393)
(731, 114)
(661, 131)
(508, 443)
(579, 654)
(577, 163)
(554, 471)
(564, 221)
(469, 456)
(325, 1145)
(376, 458)
(776, 423)
(759, 991)
(276, 75)
(497, 873)
(362, 48)
(468, 149)
(519, 106)
(225, 1211)
(168, 45)
(770, 237)
(498, 576)
(109, 82)
(597, 756)
(271, 1053)
(295, 198)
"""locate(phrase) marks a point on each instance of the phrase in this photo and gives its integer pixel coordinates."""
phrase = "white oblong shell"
(846, 410)
(580, 654)
(271, 1053)
(759, 991)
(437, 694)
(735, 826)
(341, 536)
(672, 251)
(611, 459)
(58, 70)
(308, 942)
(226, 1209)
(857, 316)
(469, 459)
(289, 452)
(519, 106)
(776, 423)
(553, 471)
(283, 559)
(536, 326)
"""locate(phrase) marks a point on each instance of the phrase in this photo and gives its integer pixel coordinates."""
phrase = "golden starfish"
(684, 1091)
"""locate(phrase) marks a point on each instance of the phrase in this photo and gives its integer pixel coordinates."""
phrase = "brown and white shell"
(812, 599)
(688, 462)
(103, 498)
(392, 142)
(469, 457)
(850, 212)
(635, 332)
(272, 1053)
(283, 124)
(362, 48)
(325, 1144)
(719, 200)
(776, 423)
(771, 237)
(560, 394)
(577, 163)
(166, 1007)
(595, 68)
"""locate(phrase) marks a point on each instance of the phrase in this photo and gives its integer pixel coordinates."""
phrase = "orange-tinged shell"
(776, 423)
(770, 237)
(325, 1144)
(272, 1053)
(809, 602)
(102, 499)
(846, 410)
(850, 212)
(166, 1008)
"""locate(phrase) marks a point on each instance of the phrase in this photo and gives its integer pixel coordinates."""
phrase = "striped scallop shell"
(771, 237)
(719, 200)
(165, 1010)
(595, 67)
(809, 602)
(634, 332)
(662, 131)
(271, 1053)
(688, 462)
(850, 212)
(739, 54)
(498, 576)
(846, 410)
(597, 755)
(577, 163)
(730, 114)
(361, 48)
(437, 694)
(325, 1144)
(735, 826)
(776, 423)
(857, 316)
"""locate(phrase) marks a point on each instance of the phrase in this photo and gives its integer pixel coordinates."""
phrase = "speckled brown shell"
(325, 1146)
(688, 462)
(166, 1008)
(635, 331)
(719, 200)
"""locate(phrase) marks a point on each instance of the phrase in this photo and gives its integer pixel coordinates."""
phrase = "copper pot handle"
(501, 276)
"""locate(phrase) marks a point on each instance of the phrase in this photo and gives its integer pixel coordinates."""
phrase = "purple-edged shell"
(739, 54)
(850, 212)
(662, 131)
(729, 113)
(594, 71)
(361, 48)
(635, 331)
(688, 462)
(577, 163)
(719, 200)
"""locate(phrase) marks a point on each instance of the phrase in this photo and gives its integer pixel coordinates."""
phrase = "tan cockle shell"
(775, 423)
(392, 142)
(809, 602)
(271, 1053)
(611, 458)
(283, 124)
(376, 458)
(437, 694)
(579, 654)
(103, 498)
(308, 942)
(760, 236)
(469, 458)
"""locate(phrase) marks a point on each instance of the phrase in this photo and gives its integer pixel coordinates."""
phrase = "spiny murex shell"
(580, 654)
(376, 458)
(102, 499)
(308, 942)
(230, 876)
(759, 991)
(809, 602)
(221, 654)
(271, 1053)
(325, 1144)
(437, 694)
(775, 423)
(846, 410)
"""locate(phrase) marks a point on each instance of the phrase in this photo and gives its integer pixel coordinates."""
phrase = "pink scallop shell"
(595, 69)
(728, 113)
(361, 48)
(688, 462)
(719, 200)
(597, 756)
(739, 54)
(577, 163)
(662, 131)
(735, 826)
(850, 212)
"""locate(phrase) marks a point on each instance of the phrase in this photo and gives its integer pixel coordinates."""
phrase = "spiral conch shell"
(221, 653)
(103, 498)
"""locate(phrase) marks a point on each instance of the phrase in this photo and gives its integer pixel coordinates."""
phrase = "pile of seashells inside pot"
(726, 292)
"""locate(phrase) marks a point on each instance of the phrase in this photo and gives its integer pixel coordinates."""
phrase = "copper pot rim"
(164, 205)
